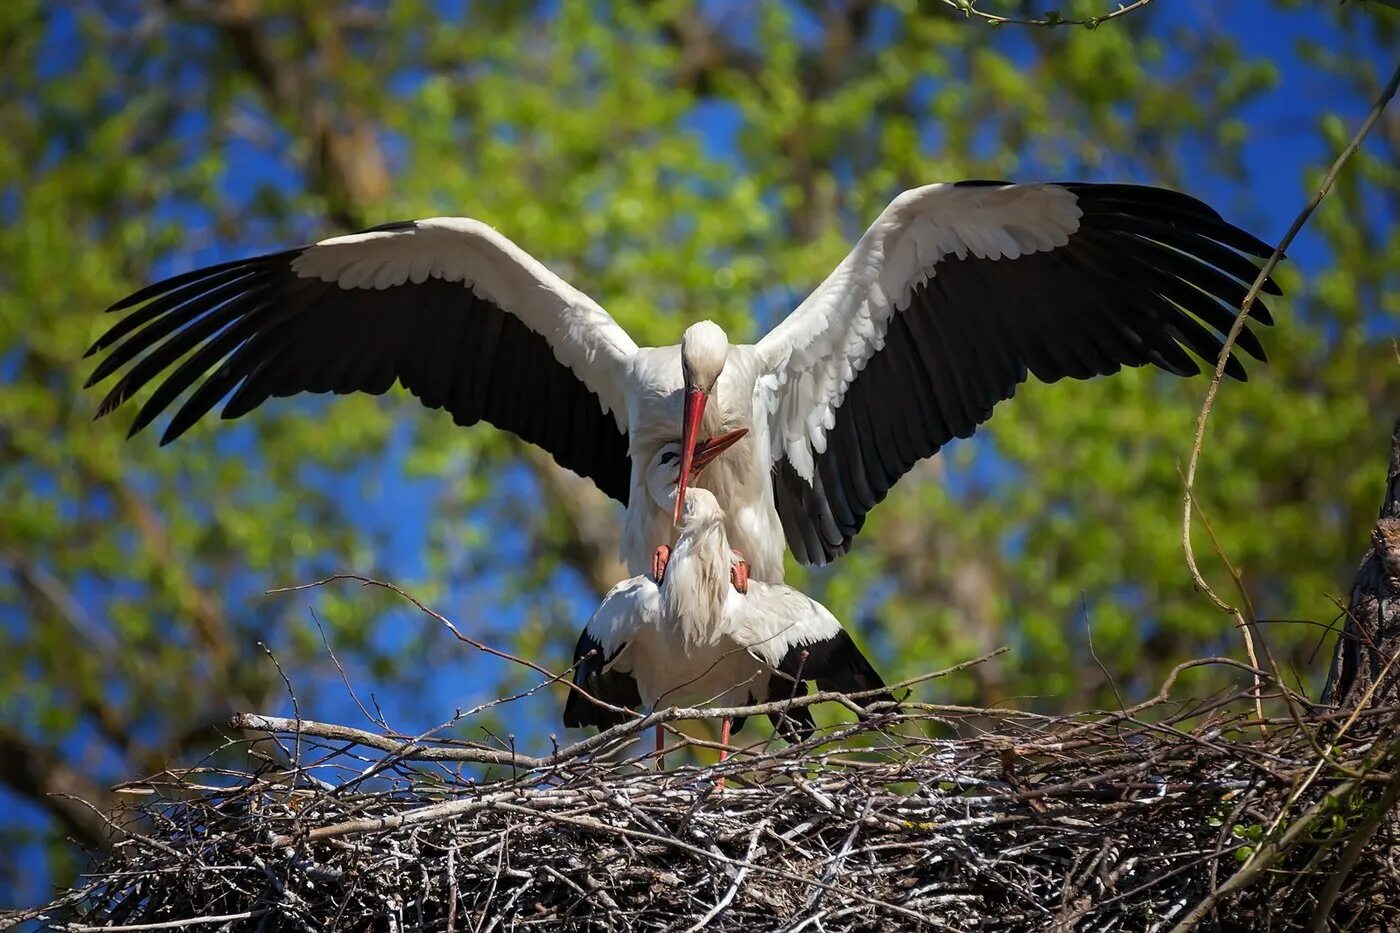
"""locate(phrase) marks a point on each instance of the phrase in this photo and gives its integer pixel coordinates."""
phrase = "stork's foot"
(739, 571)
(659, 560)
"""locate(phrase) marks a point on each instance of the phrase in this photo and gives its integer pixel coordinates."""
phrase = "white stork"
(692, 634)
(953, 296)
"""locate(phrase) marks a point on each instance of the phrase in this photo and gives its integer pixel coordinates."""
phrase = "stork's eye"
(668, 457)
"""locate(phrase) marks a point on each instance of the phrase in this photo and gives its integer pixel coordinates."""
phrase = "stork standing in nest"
(696, 631)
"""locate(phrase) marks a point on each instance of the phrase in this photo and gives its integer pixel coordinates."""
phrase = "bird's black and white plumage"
(695, 640)
(953, 297)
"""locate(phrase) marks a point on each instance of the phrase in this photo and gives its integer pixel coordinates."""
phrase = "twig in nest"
(1101, 823)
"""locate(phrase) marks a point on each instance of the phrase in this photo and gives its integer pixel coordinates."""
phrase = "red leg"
(659, 560)
(739, 572)
(724, 725)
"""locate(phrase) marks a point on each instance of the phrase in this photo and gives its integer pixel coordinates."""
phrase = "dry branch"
(1189, 506)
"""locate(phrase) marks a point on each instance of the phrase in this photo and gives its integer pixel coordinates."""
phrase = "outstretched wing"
(453, 310)
(958, 292)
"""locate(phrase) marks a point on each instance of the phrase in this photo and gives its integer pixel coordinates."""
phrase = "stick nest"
(924, 817)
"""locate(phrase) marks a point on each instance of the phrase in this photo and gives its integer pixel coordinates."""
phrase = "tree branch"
(1048, 19)
(1189, 499)
(346, 162)
(43, 775)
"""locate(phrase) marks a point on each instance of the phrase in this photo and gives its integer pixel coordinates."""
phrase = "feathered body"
(739, 478)
(694, 640)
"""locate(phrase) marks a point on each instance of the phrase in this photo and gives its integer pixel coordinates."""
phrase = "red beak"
(694, 410)
(708, 450)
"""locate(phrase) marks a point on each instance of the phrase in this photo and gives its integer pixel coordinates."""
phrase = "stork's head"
(704, 348)
(664, 471)
(701, 510)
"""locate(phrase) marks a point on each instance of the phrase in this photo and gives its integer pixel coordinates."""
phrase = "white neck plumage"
(697, 581)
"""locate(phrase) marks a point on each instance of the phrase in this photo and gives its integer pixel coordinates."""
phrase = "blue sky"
(1283, 147)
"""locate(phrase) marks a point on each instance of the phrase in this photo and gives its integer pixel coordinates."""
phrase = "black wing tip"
(581, 712)
(1233, 367)
(982, 183)
(110, 403)
(130, 301)
(796, 723)
(830, 552)
(1144, 195)
(143, 418)
(571, 717)
(105, 367)
(1187, 370)
(109, 337)
(1251, 245)
(1260, 313)
(390, 227)
(1250, 344)
(835, 663)
(1259, 250)
(1147, 195)
(181, 423)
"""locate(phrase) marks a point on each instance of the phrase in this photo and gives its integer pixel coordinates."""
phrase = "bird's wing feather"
(800, 640)
(456, 312)
(602, 663)
(629, 607)
(952, 297)
(771, 619)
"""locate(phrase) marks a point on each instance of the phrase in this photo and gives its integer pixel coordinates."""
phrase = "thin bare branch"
(1046, 20)
(1193, 462)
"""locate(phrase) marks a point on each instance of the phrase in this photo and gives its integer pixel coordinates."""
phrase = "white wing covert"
(629, 607)
(773, 620)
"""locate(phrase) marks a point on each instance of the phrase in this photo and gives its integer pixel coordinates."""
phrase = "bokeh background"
(675, 160)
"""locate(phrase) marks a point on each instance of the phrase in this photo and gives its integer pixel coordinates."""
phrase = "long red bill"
(708, 450)
(694, 411)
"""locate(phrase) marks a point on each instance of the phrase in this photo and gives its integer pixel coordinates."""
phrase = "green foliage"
(131, 576)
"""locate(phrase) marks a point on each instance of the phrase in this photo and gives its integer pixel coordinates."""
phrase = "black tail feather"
(794, 724)
(838, 666)
(610, 686)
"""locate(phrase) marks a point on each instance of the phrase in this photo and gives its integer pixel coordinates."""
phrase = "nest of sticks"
(1170, 812)
(1176, 813)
